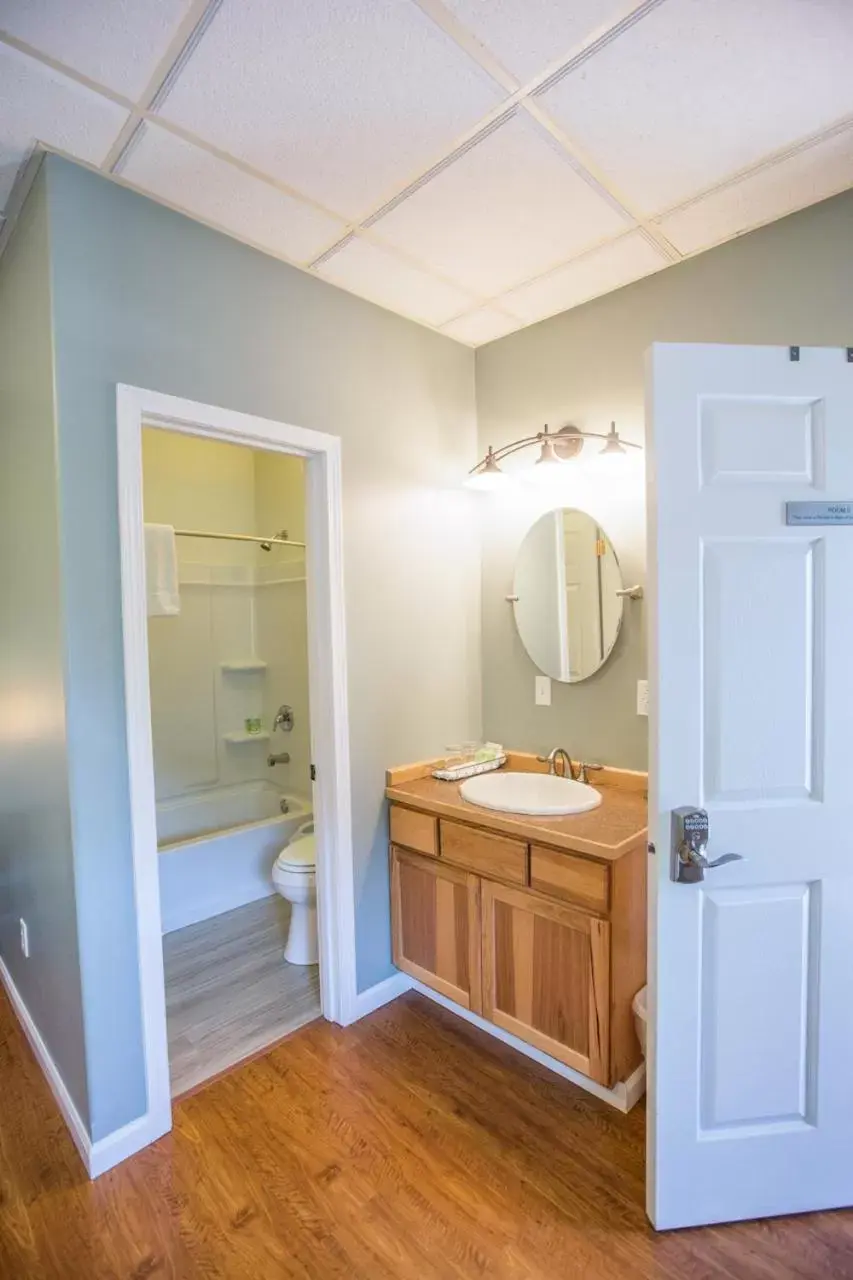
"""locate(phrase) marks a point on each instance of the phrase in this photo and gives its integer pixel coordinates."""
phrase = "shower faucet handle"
(283, 718)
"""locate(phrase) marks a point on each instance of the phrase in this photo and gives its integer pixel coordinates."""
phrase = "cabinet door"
(435, 925)
(546, 976)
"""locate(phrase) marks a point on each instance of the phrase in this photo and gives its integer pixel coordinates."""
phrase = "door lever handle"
(707, 864)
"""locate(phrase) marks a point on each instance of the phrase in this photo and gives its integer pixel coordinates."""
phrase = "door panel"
(760, 716)
(435, 917)
(769, 1081)
(546, 976)
(751, 630)
(769, 439)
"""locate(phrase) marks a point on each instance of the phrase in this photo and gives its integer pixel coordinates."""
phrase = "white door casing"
(580, 558)
(751, 637)
(328, 712)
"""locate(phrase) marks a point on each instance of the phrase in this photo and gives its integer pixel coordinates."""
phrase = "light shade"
(612, 444)
(548, 469)
(488, 478)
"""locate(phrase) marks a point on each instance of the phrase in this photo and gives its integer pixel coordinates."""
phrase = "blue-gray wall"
(788, 282)
(36, 860)
(145, 296)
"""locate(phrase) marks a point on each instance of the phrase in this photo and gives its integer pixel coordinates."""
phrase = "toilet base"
(302, 942)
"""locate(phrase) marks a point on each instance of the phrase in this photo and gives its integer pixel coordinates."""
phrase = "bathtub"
(217, 848)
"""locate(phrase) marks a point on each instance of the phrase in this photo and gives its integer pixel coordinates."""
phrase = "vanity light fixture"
(556, 448)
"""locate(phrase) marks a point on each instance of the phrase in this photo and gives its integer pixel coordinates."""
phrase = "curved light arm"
(495, 456)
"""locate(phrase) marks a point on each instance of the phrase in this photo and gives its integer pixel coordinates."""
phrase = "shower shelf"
(241, 736)
(248, 664)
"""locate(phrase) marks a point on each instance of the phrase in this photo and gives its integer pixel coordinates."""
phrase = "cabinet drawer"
(414, 830)
(497, 857)
(563, 875)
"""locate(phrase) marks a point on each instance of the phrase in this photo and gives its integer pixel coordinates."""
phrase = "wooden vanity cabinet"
(435, 926)
(546, 976)
(547, 944)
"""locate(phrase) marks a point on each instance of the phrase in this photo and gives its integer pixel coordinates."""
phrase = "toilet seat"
(298, 856)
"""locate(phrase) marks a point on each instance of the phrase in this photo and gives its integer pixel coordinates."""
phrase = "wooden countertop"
(607, 833)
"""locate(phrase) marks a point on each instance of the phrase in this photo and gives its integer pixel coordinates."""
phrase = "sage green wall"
(143, 295)
(791, 282)
(36, 857)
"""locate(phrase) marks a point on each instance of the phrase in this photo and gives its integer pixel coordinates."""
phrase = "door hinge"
(313, 773)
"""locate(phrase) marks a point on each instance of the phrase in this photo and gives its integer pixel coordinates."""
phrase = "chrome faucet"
(559, 753)
(577, 772)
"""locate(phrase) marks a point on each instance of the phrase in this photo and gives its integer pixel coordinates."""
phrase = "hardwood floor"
(230, 993)
(407, 1147)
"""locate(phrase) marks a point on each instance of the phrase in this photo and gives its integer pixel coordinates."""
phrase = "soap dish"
(471, 770)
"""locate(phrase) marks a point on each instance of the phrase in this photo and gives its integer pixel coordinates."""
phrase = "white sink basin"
(541, 794)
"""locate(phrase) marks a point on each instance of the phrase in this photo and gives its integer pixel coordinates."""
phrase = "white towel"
(161, 571)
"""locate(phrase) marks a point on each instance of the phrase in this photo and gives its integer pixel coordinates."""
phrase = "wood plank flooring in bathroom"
(407, 1147)
(230, 993)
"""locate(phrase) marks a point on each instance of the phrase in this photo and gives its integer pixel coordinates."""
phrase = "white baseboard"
(382, 993)
(64, 1101)
(107, 1152)
(622, 1096)
(634, 1086)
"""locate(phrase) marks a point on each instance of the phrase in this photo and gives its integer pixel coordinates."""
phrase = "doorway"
(138, 411)
(230, 723)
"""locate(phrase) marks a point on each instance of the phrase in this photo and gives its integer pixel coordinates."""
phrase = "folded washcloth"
(161, 571)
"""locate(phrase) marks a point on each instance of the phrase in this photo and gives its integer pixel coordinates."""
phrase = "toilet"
(640, 1008)
(295, 879)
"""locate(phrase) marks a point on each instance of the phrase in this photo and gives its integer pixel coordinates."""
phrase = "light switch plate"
(542, 692)
(642, 697)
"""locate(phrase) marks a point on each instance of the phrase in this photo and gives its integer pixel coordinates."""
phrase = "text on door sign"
(819, 512)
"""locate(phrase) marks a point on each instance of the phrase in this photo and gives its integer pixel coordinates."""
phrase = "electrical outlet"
(642, 697)
(542, 691)
(25, 939)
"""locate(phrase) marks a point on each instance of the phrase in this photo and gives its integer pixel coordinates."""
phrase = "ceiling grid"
(474, 167)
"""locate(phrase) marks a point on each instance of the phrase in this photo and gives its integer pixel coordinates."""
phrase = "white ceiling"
(476, 165)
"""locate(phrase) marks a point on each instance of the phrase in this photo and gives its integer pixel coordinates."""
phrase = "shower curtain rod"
(238, 537)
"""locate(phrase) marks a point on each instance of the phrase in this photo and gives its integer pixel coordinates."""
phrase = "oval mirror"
(566, 605)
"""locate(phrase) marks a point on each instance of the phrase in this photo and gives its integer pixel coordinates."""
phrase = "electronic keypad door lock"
(689, 842)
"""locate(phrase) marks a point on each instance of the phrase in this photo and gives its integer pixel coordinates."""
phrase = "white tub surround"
(217, 848)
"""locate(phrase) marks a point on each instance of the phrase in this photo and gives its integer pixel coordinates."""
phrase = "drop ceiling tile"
(40, 105)
(596, 273)
(118, 43)
(483, 325)
(382, 277)
(527, 36)
(215, 191)
(345, 100)
(810, 175)
(696, 91)
(509, 208)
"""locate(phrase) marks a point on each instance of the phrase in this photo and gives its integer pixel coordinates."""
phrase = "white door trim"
(328, 703)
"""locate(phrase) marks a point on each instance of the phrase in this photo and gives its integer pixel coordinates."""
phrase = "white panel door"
(751, 717)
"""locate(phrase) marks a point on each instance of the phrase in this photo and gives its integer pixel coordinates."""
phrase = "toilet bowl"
(294, 878)
(641, 1015)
